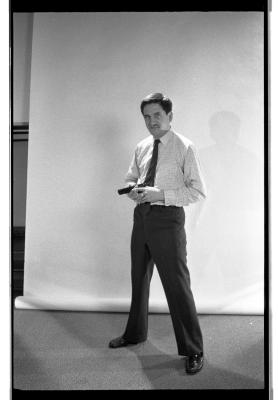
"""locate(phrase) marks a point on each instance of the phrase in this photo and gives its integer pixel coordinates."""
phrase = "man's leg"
(141, 274)
(167, 242)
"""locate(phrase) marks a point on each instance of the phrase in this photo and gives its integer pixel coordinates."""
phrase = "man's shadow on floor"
(165, 371)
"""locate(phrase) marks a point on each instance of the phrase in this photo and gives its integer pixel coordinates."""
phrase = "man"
(167, 164)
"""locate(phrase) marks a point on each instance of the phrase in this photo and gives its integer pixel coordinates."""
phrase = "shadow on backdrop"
(227, 228)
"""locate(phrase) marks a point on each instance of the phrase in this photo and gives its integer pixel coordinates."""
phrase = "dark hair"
(158, 98)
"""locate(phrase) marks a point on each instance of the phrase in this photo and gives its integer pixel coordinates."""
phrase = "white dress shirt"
(178, 171)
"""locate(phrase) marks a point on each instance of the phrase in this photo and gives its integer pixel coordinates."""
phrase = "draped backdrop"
(89, 73)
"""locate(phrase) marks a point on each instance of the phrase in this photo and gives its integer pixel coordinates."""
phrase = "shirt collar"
(164, 139)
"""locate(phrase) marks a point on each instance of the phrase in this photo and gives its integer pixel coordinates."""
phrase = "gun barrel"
(126, 189)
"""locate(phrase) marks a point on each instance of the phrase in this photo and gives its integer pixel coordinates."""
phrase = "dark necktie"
(149, 181)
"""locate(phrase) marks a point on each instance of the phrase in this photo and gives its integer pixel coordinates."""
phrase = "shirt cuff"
(170, 197)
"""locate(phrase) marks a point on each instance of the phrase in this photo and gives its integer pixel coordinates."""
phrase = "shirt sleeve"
(194, 188)
(133, 171)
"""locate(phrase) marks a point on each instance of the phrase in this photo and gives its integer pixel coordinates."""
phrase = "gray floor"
(56, 350)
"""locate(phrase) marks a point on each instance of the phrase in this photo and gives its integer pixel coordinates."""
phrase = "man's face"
(156, 119)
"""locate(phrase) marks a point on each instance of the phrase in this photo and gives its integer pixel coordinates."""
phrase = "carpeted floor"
(57, 350)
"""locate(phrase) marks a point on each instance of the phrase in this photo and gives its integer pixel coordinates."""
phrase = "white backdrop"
(89, 74)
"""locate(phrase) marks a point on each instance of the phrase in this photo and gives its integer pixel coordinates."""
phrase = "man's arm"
(132, 177)
(194, 188)
(133, 174)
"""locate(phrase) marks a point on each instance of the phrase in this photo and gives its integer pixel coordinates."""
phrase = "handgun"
(129, 188)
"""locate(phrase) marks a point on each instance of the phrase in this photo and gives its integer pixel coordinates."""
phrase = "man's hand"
(133, 195)
(146, 194)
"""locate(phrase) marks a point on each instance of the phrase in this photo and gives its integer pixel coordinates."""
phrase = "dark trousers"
(158, 237)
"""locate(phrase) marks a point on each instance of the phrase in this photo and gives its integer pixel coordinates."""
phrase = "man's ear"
(170, 116)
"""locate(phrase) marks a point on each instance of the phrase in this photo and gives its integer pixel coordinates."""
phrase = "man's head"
(157, 112)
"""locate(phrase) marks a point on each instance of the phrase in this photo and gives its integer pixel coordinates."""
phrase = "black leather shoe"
(119, 342)
(194, 363)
